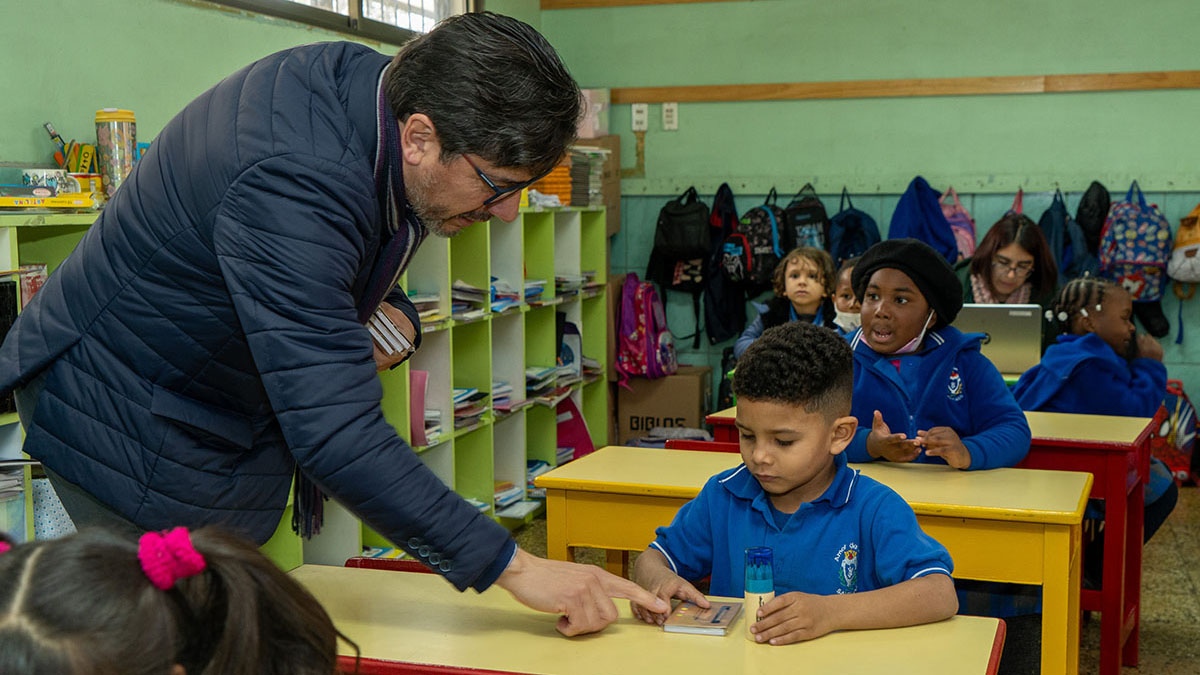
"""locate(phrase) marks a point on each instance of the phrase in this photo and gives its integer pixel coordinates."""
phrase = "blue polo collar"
(742, 484)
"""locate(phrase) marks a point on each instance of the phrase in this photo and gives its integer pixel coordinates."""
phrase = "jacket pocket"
(225, 425)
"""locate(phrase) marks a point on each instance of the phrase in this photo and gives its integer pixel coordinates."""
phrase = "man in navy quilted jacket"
(207, 335)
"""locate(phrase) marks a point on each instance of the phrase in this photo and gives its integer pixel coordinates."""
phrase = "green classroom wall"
(986, 146)
(64, 59)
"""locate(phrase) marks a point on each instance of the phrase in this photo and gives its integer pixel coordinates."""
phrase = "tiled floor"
(1170, 641)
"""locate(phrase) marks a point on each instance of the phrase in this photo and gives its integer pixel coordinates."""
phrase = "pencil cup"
(116, 143)
(760, 583)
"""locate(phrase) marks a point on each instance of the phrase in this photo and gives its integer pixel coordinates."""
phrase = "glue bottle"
(760, 583)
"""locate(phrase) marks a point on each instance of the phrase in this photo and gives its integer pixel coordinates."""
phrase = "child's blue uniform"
(1081, 374)
(947, 383)
(858, 535)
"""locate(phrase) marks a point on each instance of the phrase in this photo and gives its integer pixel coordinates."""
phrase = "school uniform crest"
(954, 390)
(847, 559)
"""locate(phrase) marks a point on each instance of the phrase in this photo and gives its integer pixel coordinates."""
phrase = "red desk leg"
(1131, 617)
(1112, 592)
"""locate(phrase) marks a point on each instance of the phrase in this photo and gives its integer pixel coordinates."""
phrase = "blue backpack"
(851, 232)
(1135, 246)
(1067, 242)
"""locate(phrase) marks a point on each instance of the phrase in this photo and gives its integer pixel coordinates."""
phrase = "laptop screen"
(1014, 334)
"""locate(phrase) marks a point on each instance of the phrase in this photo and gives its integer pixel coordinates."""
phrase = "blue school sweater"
(1082, 374)
(949, 383)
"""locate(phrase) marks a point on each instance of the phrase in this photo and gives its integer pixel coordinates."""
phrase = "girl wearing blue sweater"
(922, 390)
(1100, 365)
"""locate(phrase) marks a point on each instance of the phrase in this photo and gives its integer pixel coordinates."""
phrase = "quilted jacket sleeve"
(289, 237)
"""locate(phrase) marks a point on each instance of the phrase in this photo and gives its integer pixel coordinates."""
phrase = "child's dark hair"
(83, 604)
(819, 258)
(847, 264)
(1079, 295)
(799, 364)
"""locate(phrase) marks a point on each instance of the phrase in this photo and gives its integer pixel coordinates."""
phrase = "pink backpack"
(961, 223)
(645, 347)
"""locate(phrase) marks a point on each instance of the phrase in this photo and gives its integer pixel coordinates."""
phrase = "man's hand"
(944, 442)
(881, 442)
(792, 617)
(665, 585)
(400, 320)
(582, 594)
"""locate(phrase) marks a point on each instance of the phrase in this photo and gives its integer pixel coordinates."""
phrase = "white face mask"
(847, 321)
(915, 342)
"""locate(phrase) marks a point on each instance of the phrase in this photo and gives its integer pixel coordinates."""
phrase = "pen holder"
(760, 583)
(116, 143)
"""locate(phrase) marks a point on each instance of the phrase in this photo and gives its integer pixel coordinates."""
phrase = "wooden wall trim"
(581, 4)
(944, 86)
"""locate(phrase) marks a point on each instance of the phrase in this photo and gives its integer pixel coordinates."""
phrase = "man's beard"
(434, 219)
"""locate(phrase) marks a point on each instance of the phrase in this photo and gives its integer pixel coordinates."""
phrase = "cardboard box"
(679, 400)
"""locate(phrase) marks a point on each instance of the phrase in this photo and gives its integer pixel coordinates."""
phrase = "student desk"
(1015, 525)
(418, 623)
(1116, 451)
(722, 424)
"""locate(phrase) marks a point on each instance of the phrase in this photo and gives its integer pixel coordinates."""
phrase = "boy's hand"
(944, 442)
(793, 617)
(1149, 348)
(881, 442)
(666, 586)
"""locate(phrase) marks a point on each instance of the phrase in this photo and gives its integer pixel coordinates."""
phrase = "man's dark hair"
(493, 86)
(800, 364)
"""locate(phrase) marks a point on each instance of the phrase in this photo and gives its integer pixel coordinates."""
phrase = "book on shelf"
(504, 295)
(417, 382)
(534, 288)
(564, 454)
(519, 509)
(689, 617)
(506, 493)
(554, 397)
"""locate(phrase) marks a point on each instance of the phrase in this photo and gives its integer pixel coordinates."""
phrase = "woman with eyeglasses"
(1013, 264)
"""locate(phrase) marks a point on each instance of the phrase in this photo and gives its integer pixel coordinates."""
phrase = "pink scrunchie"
(169, 556)
(4, 547)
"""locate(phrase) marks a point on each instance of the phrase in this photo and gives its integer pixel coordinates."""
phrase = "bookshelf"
(31, 238)
(539, 244)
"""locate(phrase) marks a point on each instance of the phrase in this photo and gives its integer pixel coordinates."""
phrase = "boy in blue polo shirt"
(848, 551)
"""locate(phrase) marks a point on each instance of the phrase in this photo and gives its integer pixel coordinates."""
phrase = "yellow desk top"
(1086, 428)
(1022, 495)
(419, 618)
(1048, 425)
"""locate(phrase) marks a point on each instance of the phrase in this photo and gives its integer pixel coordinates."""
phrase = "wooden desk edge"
(575, 485)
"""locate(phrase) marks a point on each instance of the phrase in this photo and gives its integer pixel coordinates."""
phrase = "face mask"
(847, 321)
(915, 342)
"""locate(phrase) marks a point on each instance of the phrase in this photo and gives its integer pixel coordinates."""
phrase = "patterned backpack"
(645, 347)
(961, 223)
(805, 221)
(750, 254)
(1135, 245)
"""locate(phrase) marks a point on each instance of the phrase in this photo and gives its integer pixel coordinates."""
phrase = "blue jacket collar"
(742, 484)
(946, 337)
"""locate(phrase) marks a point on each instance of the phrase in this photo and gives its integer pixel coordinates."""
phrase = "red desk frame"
(1120, 471)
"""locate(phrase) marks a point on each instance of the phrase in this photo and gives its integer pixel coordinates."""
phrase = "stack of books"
(483, 507)
(568, 284)
(589, 281)
(504, 296)
(552, 398)
(501, 396)
(428, 306)
(587, 175)
(557, 183)
(563, 455)
(533, 469)
(467, 302)
(592, 370)
(433, 426)
(568, 374)
(534, 288)
(469, 406)
(539, 381)
(507, 494)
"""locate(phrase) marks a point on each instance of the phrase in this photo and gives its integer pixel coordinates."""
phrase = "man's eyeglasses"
(1005, 266)
(499, 192)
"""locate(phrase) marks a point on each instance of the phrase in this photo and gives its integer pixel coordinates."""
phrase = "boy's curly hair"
(800, 364)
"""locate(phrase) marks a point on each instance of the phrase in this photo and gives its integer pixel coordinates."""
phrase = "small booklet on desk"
(691, 618)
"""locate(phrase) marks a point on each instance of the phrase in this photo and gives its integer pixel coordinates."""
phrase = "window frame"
(354, 25)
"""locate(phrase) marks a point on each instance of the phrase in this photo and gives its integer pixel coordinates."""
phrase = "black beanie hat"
(926, 267)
